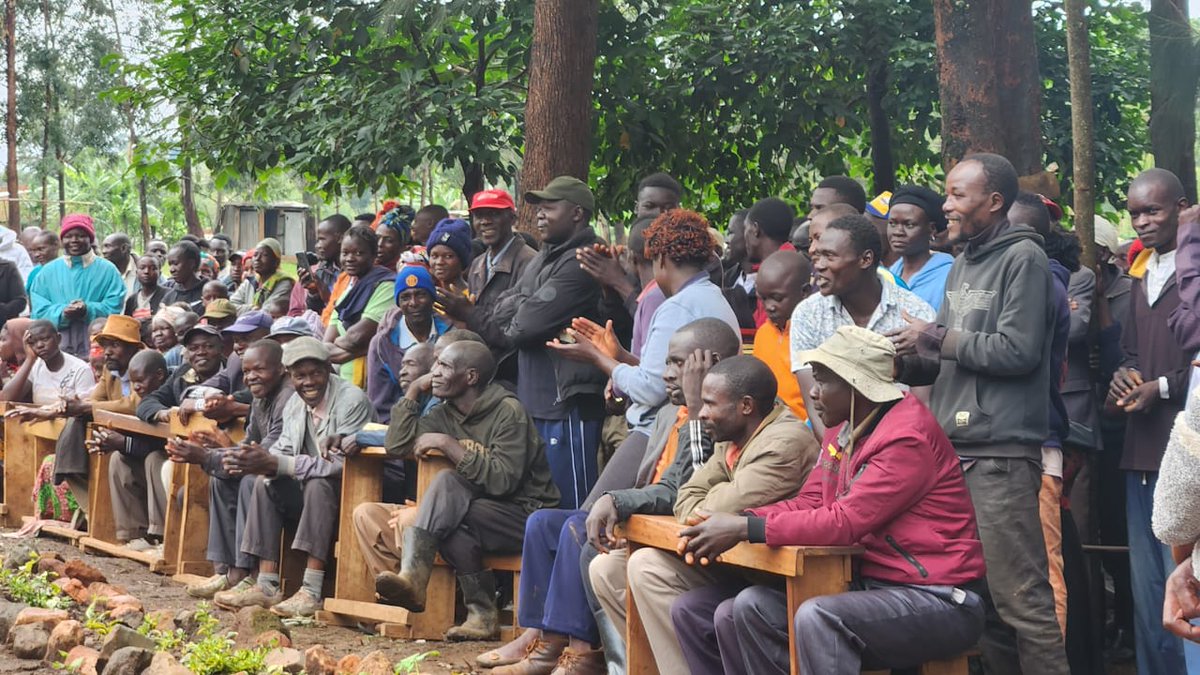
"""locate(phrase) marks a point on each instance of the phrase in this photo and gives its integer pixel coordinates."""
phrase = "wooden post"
(1083, 137)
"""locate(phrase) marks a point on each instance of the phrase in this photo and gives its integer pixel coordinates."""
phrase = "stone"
(8, 616)
(348, 664)
(46, 618)
(375, 663)
(164, 663)
(65, 637)
(124, 600)
(85, 573)
(250, 622)
(128, 615)
(19, 555)
(285, 659)
(54, 566)
(122, 637)
(272, 638)
(100, 589)
(73, 589)
(29, 641)
(318, 661)
(128, 661)
(85, 657)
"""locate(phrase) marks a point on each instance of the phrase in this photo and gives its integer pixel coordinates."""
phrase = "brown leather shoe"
(590, 662)
(541, 659)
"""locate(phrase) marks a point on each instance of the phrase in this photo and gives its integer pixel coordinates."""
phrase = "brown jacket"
(108, 396)
(773, 466)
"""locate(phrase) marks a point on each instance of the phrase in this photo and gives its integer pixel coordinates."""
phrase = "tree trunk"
(1083, 135)
(189, 203)
(883, 165)
(988, 80)
(473, 178)
(558, 110)
(1173, 73)
(46, 123)
(127, 109)
(10, 122)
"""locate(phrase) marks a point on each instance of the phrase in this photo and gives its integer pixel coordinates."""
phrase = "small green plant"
(72, 667)
(410, 664)
(205, 621)
(216, 655)
(98, 621)
(164, 640)
(32, 588)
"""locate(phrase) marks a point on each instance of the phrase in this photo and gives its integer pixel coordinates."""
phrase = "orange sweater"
(771, 346)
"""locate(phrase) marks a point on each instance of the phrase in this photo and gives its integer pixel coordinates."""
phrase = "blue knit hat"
(411, 276)
(455, 233)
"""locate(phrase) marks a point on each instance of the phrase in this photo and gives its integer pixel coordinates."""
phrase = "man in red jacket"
(887, 480)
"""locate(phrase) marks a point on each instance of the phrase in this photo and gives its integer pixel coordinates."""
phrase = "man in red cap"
(491, 274)
(78, 288)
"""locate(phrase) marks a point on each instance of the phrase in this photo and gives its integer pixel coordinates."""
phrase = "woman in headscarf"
(359, 309)
(410, 322)
(269, 280)
(394, 228)
(449, 251)
(914, 218)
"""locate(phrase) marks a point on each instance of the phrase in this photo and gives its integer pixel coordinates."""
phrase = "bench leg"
(954, 666)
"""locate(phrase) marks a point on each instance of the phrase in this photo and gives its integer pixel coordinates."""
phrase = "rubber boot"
(407, 589)
(612, 641)
(483, 618)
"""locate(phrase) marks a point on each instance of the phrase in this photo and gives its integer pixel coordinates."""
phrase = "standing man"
(318, 281)
(914, 216)
(988, 355)
(158, 249)
(1151, 388)
(73, 291)
(837, 190)
(563, 397)
(186, 285)
(657, 194)
(116, 249)
(219, 247)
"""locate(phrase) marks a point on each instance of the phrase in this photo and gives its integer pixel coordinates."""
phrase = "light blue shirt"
(698, 299)
(930, 282)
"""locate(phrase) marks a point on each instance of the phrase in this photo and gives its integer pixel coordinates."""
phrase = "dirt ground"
(160, 592)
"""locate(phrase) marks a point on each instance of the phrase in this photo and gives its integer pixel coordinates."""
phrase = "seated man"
(891, 483)
(560, 628)
(204, 359)
(267, 382)
(298, 479)
(232, 398)
(764, 454)
(48, 375)
(139, 497)
(500, 476)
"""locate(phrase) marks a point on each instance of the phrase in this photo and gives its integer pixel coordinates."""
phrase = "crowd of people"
(759, 384)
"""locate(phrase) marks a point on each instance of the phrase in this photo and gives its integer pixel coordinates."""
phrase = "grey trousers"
(228, 501)
(878, 628)
(312, 505)
(139, 500)
(1021, 634)
(467, 524)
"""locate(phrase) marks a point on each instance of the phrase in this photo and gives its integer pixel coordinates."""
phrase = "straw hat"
(863, 358)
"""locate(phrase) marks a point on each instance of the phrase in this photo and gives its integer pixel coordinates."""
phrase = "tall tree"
(10, 121)
(1083, 136)
(988, 79)
(1173, 73)
(558, 111)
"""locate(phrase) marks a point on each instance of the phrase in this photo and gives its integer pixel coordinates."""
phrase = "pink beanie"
(74, 221)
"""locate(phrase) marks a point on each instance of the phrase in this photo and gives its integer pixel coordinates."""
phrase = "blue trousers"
(1149, 565)
(552, 593)
(571, 447)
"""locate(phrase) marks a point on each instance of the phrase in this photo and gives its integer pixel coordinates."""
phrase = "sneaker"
(302, 603)
(141, 545)
(209, 587)
(246, 594)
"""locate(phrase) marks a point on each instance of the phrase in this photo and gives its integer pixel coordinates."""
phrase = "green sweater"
(505, 456)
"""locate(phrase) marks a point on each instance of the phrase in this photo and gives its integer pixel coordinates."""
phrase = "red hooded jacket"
(902, 497)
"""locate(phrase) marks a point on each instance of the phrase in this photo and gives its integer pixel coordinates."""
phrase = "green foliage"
(72, 667)
(411, 664)
(216, 655)
(165, 640)
(32, 588)
(98, 621)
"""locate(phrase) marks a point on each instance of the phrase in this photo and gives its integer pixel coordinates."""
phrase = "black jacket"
(156, 299)
(169, 395)
(12, 292)
(553, 290)
(693, 449)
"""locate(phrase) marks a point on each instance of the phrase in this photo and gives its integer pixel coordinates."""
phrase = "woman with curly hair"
(678, 245)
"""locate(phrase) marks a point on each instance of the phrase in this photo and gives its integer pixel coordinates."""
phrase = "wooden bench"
(808, 572)
(354, 592)
(26, 445)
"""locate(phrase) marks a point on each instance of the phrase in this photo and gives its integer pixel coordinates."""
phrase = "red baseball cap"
(492, 199)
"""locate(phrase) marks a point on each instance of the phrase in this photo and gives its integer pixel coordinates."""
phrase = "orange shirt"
(668, 453)
(339, 287)
(771, 346)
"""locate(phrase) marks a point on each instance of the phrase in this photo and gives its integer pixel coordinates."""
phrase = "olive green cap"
(564, 187)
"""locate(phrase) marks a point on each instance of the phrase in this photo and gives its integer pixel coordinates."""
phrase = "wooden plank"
(92, 544)
(189, 579)
(193, 523)
(362, 483)
(26, 445)
(57, 531)
(130, 424)
(823, 575)
(101, 524)
(639, 656)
